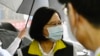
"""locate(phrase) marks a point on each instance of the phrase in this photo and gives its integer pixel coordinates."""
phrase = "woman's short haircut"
(40, 19)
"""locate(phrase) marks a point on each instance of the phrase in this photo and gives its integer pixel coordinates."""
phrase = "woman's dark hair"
(40, 19)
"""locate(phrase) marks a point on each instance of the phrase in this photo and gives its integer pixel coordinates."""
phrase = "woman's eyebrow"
(51, 23)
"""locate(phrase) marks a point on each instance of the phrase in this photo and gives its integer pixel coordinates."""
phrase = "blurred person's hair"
(8, 26)
(90, 9)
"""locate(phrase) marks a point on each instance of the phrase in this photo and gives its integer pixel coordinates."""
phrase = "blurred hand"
(21, 34)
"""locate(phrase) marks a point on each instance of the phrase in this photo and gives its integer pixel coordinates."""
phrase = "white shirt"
(97, 52)
(4, 52)
(14, 45)
(12, 48)
(92, 53)
(47, 54)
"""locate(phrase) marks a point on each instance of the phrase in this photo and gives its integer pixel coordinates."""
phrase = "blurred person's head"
(46, 24)
(8, 26)
(84, 16)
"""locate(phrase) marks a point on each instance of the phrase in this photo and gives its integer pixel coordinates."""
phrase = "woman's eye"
(54, 24)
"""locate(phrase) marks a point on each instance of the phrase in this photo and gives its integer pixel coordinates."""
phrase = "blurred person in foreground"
(3, 52)
(84, 17)
(10, 51)
(47, 31)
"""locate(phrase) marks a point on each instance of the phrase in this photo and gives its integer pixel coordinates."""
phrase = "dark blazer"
(68, 51)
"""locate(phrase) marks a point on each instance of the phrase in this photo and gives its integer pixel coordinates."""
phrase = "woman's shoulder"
(67, 51)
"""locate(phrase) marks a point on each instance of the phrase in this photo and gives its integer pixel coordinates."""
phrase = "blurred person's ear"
(72, 16)
(76, 20)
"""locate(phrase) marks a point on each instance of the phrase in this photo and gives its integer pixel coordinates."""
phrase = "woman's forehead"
(54, 18)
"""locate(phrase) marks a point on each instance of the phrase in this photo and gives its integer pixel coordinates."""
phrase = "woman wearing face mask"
(47, 32)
